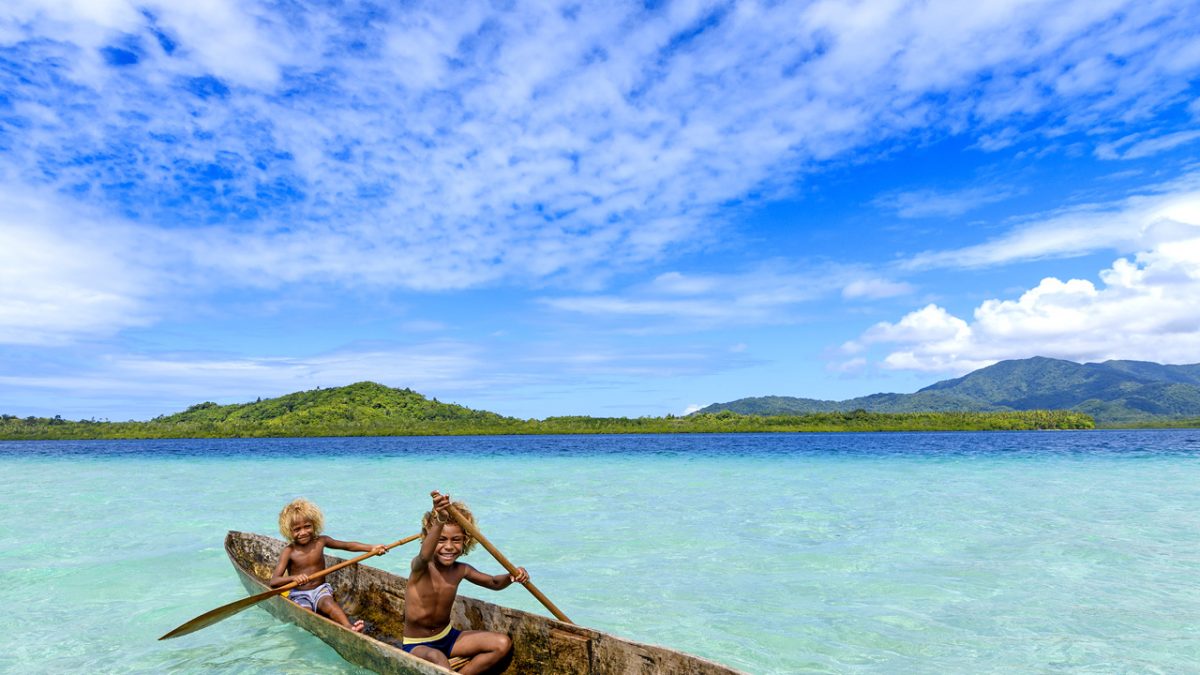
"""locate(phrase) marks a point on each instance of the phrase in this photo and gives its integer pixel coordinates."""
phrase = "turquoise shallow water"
(915, 553)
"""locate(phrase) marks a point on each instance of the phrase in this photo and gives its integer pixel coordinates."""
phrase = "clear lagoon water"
(775, 553)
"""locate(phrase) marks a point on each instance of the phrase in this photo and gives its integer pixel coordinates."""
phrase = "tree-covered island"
(370, 409)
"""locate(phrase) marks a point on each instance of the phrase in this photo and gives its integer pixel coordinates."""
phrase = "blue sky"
(601, 208)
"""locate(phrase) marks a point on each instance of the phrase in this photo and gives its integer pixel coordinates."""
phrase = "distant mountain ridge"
(1113, 392)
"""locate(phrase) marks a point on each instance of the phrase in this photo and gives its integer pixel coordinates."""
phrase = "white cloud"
(1144, 309)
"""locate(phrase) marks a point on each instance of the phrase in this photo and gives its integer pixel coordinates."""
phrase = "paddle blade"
(221, 613)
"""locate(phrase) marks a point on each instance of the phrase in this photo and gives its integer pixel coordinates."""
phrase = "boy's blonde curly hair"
(303, 509)
(431, 517)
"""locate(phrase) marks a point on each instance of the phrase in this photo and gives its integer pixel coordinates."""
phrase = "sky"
(610, 208)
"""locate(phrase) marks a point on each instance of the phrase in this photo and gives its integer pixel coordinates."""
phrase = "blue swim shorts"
(443, 641)
(310, 598)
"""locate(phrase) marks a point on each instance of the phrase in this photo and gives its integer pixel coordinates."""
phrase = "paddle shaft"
(512, 569)
(225, 611)
(346, 563)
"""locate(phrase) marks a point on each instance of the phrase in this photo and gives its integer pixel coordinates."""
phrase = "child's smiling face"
(302, 530)
(450, 544)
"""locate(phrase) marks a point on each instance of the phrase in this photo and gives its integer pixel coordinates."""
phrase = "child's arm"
(420, 563)
(280, 577)
(497, 582)
(377, 549)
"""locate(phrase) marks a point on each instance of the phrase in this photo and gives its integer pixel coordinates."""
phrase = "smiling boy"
(433, 586)
(301, 522)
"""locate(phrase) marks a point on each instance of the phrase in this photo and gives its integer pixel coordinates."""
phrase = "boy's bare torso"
(306, 559)
(430, 597)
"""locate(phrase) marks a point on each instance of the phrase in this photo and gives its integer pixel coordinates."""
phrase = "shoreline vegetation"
(370, 409)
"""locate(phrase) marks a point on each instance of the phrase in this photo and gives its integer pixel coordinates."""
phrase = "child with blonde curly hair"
(301, 523)
(433, 586)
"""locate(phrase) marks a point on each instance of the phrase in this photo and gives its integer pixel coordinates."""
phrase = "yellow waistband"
(431, 638)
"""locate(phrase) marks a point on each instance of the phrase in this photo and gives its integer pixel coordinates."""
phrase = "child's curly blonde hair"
(431, 517)
(303, 509)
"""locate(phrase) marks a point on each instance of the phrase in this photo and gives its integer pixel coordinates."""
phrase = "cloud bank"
(1143, 307)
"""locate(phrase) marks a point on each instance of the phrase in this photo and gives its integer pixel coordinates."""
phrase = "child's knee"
(501, 643)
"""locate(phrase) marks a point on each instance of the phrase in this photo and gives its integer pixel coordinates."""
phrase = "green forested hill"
(363, 402)
(362, 409)
(1113, 392)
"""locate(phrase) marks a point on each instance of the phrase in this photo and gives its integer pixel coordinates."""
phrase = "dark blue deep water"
(1122, 443)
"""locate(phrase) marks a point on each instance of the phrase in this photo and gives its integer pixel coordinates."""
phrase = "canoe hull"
(371, 654)
(540, 644)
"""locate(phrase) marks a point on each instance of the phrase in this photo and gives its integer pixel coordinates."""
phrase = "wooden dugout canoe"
(540, 644)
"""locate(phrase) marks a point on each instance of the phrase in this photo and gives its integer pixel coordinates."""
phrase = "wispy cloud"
(149, 384)
(158, 383)
(1127, 225)
(1137, 146)
(927, 203)
(774, 293)
(434, 148)
(62, 278)
(873, 287)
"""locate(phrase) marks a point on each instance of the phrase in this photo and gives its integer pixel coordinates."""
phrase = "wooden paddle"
(226, 611)
(470, 528)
